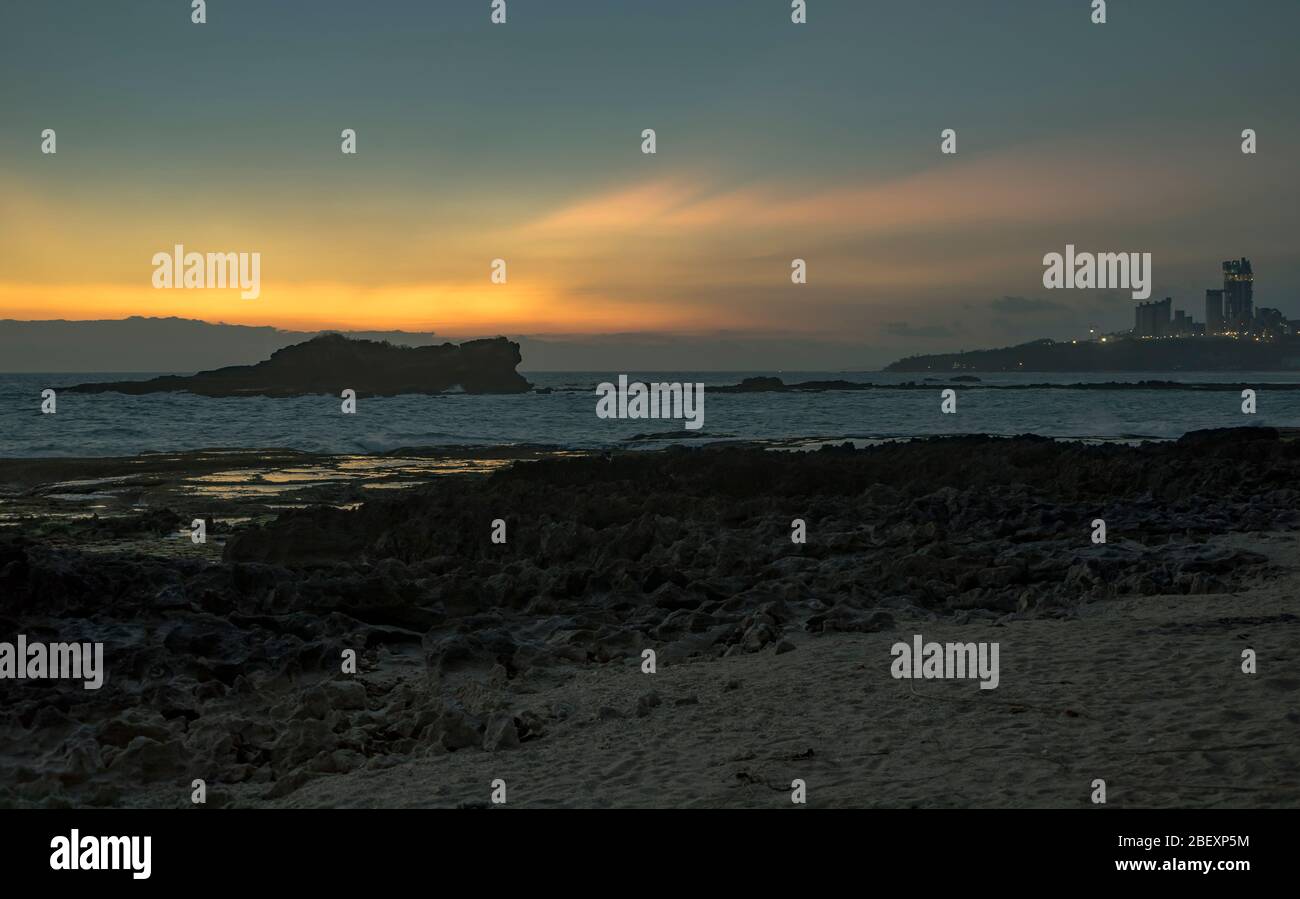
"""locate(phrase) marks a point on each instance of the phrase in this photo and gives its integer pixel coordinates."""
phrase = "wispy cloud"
(911, 332)
(1024, 306)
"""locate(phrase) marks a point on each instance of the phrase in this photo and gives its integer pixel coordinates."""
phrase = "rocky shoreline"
(229, 668)
(770, 384)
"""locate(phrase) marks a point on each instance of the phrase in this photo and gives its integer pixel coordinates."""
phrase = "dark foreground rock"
(330, 363)
(233, 672)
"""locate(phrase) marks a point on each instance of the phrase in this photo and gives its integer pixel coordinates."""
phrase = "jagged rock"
(454, 729)
(500, 733)
(647, 702)
(149, 760)
(343, 694)
(843, 618)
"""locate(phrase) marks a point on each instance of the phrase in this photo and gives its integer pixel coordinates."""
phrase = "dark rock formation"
(331, 362)
(768, 384)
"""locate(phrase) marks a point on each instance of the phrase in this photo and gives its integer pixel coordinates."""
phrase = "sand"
(1146, 693)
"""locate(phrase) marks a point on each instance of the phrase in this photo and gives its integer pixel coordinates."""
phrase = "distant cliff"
(1174, 354)
(138, 344)
(331, 362)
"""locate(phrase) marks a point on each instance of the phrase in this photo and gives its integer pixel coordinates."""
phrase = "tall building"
(1230, 312)
(1271, 322)
(1238, 294)
(1214, 312)
(1152, 319)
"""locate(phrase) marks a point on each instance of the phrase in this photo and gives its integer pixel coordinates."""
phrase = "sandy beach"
(1145, 693)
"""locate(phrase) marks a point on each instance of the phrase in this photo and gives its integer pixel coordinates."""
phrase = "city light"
(1229, 312)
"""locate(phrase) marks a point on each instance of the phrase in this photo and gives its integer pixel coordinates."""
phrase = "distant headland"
(1118, 354)
(1235, 336)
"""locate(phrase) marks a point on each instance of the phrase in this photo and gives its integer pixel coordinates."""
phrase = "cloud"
(1027, 186)
(903, 329)
(1025, 306)
(694, 247)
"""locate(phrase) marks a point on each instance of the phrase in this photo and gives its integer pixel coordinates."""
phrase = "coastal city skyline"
(1230, 311)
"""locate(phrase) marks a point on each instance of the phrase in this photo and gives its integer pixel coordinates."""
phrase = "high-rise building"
(1213, 311)
(1229, 312)
(1152, 319)
(1271, 322)
(1238, 294)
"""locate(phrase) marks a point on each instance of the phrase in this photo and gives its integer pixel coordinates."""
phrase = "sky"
(522, 141)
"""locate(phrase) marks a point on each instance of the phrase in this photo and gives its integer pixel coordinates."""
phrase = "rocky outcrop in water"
(330, 363)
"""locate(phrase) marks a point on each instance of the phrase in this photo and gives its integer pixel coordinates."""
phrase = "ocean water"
(110, 424)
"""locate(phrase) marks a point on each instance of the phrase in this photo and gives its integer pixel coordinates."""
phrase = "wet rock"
(455, 729)
(501, 733)
(149, 760)
(844, 619)
(647, 702)
(345, 694)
